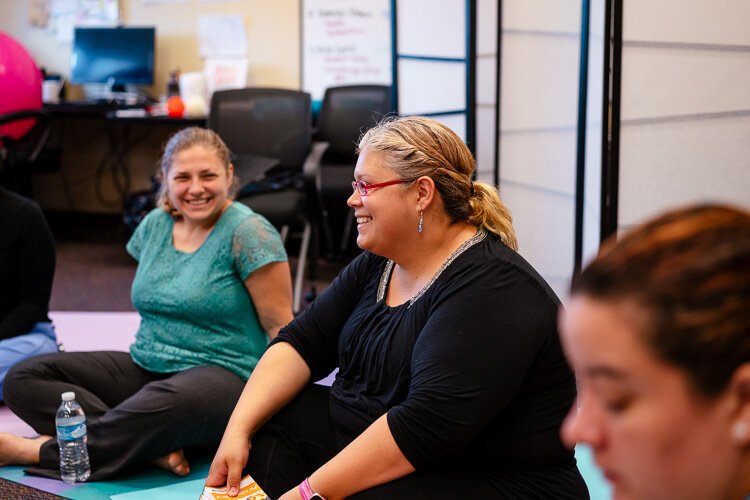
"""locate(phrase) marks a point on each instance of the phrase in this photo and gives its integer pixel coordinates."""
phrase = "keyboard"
(131, 113)
(88, 102)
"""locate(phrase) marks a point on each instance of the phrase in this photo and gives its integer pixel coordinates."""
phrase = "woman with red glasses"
(451, 379)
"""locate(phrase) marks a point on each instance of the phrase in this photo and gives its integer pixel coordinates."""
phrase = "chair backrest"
(275, 123)
(346, 113)
(24, 149)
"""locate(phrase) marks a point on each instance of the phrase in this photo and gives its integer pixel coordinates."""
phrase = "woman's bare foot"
(174, 462)
(17, 450)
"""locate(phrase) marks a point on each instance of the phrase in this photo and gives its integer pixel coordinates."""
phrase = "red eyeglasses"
(362, 187)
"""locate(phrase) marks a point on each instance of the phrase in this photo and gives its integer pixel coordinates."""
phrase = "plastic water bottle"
(71, 436)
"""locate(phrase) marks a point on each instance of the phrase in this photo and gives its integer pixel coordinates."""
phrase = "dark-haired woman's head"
(658, 331)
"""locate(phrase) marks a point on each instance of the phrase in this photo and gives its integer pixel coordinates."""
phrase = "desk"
(120, 141)
(113, 116)
(80, 108)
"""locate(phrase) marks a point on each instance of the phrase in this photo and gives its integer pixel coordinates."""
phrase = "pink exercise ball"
(20, 85)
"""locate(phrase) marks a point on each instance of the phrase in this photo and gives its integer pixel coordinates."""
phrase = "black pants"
(302, 437)
(132, 415)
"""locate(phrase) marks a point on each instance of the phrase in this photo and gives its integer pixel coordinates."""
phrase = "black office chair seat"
(281, 208)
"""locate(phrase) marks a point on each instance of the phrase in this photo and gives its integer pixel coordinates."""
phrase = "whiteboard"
(345, 42)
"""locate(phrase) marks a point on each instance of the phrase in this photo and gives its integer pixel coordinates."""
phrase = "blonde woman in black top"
(451, 380)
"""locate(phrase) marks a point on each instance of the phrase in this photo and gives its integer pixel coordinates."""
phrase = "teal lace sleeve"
(255, 244)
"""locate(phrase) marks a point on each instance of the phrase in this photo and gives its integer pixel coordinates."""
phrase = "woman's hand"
(373, 458)
(280, 375)
(228, 463)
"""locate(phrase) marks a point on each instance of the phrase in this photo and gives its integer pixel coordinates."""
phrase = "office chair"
(18, 154)
(269, 132)
(346, 113)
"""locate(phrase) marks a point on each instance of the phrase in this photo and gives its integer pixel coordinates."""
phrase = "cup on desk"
(51, 90)
(193, 94)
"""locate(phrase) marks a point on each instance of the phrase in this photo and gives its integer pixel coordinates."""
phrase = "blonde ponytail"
(489, 211)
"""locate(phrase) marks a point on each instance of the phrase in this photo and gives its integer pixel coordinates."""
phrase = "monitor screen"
(114, 55)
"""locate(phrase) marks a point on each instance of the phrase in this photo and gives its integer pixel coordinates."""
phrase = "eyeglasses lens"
(360, 187)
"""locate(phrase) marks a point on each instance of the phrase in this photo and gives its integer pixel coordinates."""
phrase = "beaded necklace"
(385, 277)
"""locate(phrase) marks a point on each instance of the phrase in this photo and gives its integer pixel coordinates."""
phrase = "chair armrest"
(311, 167)
(42, 122)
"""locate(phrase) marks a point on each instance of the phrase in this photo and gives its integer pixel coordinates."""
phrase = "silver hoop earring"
(740, 430)
(421, 222)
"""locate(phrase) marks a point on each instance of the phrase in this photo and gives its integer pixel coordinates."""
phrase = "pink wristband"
(306, 491)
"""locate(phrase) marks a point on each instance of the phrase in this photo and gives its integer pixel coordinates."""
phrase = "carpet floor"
(10, 489)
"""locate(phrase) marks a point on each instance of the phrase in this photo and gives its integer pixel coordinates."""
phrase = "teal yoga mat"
(157, 484)
(129, 487)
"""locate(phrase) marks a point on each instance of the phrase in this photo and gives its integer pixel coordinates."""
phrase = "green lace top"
(194, 307)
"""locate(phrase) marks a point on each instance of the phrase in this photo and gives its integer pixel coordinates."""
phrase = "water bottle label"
(71, 432)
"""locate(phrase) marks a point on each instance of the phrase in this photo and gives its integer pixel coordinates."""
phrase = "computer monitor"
(115, 56)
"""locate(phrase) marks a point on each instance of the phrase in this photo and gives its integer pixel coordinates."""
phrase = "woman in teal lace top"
(212, 287)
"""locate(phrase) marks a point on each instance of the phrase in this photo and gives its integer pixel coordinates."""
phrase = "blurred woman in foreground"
(658, 331)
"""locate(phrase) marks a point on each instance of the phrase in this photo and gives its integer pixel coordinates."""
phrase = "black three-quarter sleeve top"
(471, 373)
(27, 265)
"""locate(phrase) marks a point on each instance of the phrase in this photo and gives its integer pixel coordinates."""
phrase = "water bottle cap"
(68, 396)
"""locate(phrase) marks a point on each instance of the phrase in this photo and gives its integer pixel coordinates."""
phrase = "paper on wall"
(222, 35)
(225, 73)
(65, 15)
(39, 13)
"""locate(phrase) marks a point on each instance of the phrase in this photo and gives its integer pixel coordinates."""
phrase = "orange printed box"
(249, 490)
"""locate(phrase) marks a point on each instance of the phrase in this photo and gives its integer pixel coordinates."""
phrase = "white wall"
(433, 84)
(685, 128)
(538, 115)
(272, 30)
